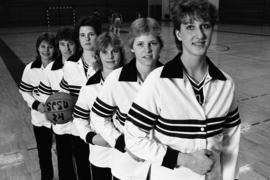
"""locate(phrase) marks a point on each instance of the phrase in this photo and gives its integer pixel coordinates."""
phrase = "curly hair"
(92, 21)
(185, 10)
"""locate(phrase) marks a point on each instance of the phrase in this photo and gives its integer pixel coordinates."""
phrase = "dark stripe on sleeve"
(102, 109)
(236, 123)
(105, 105)
(54, 91)
(42, 88)
(233, 112)
(122, 122)
(139, 125)
(143, 111)
(81, 113)
(26, 87)
(190, 125)
(64, 84)
(141, 117)
(182, 134)
(120, 114)
(74, 89)
(121, 117)
(233, 119)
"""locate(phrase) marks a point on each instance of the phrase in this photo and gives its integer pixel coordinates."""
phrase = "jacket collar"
(76, 57)
(95, 79)
(175, 67)
(37, 63)
(215, 72)
(129, 71)
(57, 64)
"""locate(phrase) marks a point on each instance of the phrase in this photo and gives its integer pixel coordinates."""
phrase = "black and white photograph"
(134, 90)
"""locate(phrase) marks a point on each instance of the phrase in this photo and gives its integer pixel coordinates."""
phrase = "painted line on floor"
(245, 127)
(14, 65)
(253, 97)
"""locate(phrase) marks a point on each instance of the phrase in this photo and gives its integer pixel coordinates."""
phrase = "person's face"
(67, 48)
(146, 49)
(110, 57)
(87, 37)
(196, 36)
(46, 50)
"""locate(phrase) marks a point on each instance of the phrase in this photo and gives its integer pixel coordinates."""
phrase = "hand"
(200, 162)
(98, 140)
(134, 156)
(41, 107)
(211, 174)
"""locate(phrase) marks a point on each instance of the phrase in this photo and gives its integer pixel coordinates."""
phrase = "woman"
(78, 68)
(118, 92)
(33, 73)
(110, 54)
(67, 46)
(189, 106)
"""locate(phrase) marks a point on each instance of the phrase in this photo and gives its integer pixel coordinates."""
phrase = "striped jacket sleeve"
(64, 86)
(26, 89)
(231, 134)
(81, 114)
(102, 113)
(44, 87)
(141, 119)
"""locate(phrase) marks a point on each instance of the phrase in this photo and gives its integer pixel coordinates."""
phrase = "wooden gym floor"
(242, 51)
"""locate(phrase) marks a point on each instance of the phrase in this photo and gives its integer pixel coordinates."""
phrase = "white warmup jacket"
(50, 84)
(119, 90)
(74, 77)
(32, 74)
(99, 156)
(166, 104)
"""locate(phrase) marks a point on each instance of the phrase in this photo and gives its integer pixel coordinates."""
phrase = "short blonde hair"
(144, 26)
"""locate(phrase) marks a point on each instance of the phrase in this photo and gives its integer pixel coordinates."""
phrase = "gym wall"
(248, 12)
(34, 12)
